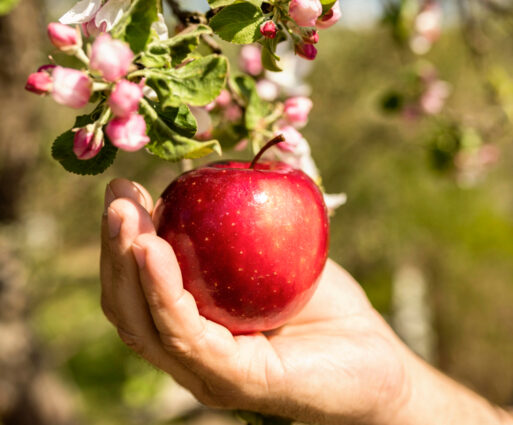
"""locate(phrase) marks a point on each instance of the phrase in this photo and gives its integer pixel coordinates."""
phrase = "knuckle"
(176, 346)
(131, 340)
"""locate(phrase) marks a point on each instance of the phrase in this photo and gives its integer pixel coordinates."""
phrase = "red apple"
(251, 242)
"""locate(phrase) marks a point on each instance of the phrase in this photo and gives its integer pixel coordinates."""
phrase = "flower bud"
(296, 110)
(124, 99)
(87, 143)
(63, 37)
(293, 139)
(128, 134)
(267, 90)
(311, 37)
(268, 29)
(306, 51)
(251, 60)
(111, 58)
(330, 17)
(232, 113)
(71, 87)
(224, 99)
(305, 12)
(39, 83)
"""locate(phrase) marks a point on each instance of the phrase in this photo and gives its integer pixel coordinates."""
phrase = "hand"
(336, 361)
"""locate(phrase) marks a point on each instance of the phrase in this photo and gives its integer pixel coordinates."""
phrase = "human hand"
(336, 362)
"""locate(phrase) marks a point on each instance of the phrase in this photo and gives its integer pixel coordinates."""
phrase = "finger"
(117, 188)
(197, 342)
(127, 220)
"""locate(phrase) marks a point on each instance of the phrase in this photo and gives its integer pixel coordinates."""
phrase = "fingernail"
(139, 254)
(114, 221)
(109, 197)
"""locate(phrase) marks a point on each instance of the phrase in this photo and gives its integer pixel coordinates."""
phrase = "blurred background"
(412, 119)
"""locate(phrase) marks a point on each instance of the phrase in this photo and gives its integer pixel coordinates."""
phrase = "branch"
(185, 17)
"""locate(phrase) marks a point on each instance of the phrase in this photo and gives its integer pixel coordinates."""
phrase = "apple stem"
(269, 144)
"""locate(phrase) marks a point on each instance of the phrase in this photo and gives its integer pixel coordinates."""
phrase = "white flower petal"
(111, 13)
(81, 13)
(335, 200)
(160, 28)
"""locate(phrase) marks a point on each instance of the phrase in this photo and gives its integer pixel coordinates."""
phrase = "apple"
(251, 240)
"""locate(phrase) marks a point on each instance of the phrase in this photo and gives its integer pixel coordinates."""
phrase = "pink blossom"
(232, 113)
(268, 29)
(112, 58)
(329, 18)
(305, 12)
(296, 110)
(90, 29)
(63, 37)
(293, 138)
(39, 83)
(128, 134)
(71, 87)
(267, 90)
(251, 60)
(433, 99)
(306, 51)
(86, 144)
(224, 99)
(124, 99)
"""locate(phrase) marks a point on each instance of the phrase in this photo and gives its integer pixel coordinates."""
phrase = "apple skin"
(251, 243)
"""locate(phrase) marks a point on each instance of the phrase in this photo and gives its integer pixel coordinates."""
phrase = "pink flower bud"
(268, 29)
(311, 37)
(305, 12)
(267, 90)
(39, 83)
(124, 99)
(297, 109)
(232, 113)
(251, 60)
(71, 87)
(224, 99)
(111, 58)
(293, 138)
(63, 37)
(306, 51)
(128, 134)
(86, 143)
(329, 18)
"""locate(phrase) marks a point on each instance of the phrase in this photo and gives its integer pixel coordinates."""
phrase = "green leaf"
(214, 4)
(135, 25)
(7, 5)
(168, 144)
(238, 23)
(62, 151)
(327, 5)
(178, 119)
(197, 83)
(186, 42)
(156, 56)
(256, 108)
(269, 57)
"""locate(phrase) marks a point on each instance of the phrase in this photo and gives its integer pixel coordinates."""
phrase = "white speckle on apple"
(260, 198)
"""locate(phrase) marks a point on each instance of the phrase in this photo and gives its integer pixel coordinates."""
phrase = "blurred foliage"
(399, 211)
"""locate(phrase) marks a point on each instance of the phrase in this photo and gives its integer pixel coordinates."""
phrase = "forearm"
(432, 398)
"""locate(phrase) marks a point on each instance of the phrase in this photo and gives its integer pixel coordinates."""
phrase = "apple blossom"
(329, 18)
(128, 134)
(63, 37)
(433, 99)
(251, 60)
(112, 58)
(267, 90)
(306, 51)
(39, 83)
(71, 87)
(81, 13)
(124, 99)
(223, 99)
(427, 27)
(296, 110)
(87, 143)
(305, 12)
(293, 139)
(95, 17)
(268, 29)
(232, 113)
